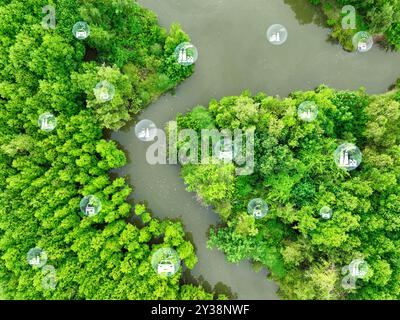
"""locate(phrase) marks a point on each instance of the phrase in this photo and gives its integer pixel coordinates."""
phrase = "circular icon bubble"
(308, 111)
(349, 282)
(47, 122)
(363, 41)
(186, 54)
(277, 34)
(104, 91)
(49, 280)
(347, 156)
(224, 149)
(258, 208)
(81, 30)
(90, 205)
(358, 268)
(326, 213)
(166, 262)
(146, 130)
(36, 257)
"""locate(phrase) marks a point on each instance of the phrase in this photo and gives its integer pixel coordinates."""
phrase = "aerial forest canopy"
(44, 175)
(379, 17)
(295, 173)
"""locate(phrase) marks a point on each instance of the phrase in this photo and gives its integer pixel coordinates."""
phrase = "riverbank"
(234, 55)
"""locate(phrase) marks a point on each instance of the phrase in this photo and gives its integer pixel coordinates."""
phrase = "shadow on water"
(306, 13)
(218, 289)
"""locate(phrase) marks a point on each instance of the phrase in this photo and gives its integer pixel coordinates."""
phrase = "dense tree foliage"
(296, 175)
(44, 175)
(379, 17)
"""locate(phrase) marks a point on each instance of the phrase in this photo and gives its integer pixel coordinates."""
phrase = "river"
(234, 55)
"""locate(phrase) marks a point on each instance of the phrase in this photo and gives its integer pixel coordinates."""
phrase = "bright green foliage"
(213, 183)
(296, 175)
(246, 225)
(45, 175)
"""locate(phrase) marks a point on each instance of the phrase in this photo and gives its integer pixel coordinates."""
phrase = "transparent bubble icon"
(258, 208)
(104, 91)
(49, 280)
(358, 268)
(326, 213)
(308, 111)
(186, 54)
(165, 262)
(277, 34)
(90, 205)
(36, 257)
(47, 122)
(363, 41)
(349, 283)
(348, 157)
(81, 30)
(146, 130)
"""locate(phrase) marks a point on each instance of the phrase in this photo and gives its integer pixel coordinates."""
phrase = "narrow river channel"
(234, 55)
